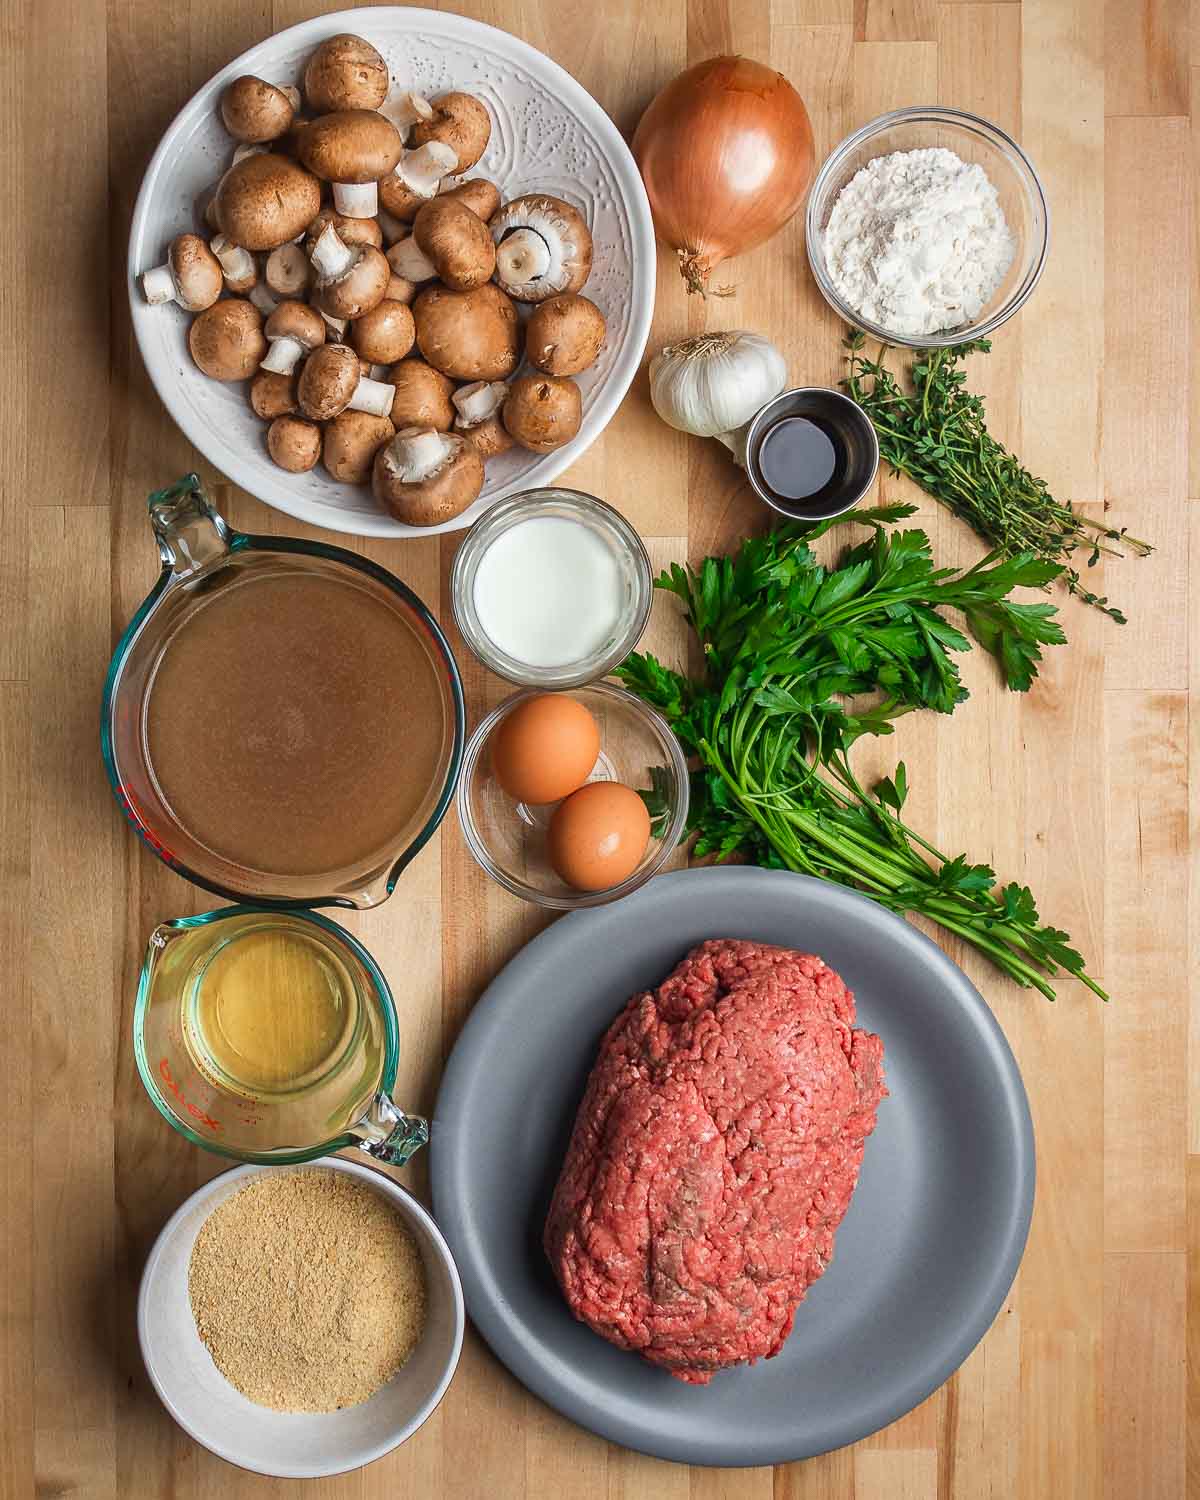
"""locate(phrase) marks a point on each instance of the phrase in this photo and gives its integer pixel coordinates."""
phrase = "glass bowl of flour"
(927, 228)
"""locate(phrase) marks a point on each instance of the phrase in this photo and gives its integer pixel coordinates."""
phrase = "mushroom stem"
(158, 285)
(338, 325)
(374, 396)
(405, 110)
(356, 200)
(331, 257)
(237, 264)
(407, 259)
(284, 355)
(263, 298)
(422, 170)
(418, 453)
(522, 256)
(477, 402)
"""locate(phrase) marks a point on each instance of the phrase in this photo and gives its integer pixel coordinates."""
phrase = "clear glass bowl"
(509, 838)
(974, 140)
(632, 564)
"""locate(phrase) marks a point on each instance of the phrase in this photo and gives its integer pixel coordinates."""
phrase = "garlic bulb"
(712, 385)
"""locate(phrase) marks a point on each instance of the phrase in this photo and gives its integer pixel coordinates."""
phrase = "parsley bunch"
(789, 649)
(938, 436)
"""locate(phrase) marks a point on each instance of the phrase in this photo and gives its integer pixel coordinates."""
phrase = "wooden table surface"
(1080, 788)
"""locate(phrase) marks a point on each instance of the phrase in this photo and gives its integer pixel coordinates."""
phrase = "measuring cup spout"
(388, 1134)
(191, 533)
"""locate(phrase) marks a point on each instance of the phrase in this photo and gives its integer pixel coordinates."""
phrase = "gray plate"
(924, 1257)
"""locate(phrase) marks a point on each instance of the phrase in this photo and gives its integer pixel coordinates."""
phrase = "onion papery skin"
(726, 153)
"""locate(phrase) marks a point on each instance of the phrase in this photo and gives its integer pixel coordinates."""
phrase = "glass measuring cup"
(342, 1096)
(206, 568)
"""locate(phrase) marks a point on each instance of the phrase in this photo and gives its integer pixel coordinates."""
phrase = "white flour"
(917, 242)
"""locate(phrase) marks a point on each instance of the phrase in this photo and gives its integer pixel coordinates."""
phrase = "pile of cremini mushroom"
(379, 331)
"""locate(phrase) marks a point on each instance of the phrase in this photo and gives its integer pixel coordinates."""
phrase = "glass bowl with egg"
(552, 588)
(573, 799)
(975, 141)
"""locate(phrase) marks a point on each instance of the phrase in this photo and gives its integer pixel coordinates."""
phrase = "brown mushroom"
(481, 196)
(426, 477)
(192, 276)
(293, 330)
(468, 335)
(564, 334)
(385, 334)
(478, 401)
(352, 440)
(266, 200)
(543, 247)
(459, 121)
(408, 260)
(352, 149)
(287, 271)
(293, 443)
(488, 438)
(456, 241)
(226, 339)
(350, 231)
(335, 328)
(255, 110)
(272, 395)
(423, 396)
(351, 279)
(399, 289)
(332, 380)
(542, 412)
(417, 177)
(345, 72)
(238, 266)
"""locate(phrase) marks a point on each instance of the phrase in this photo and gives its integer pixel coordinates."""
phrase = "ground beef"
(713, 1157)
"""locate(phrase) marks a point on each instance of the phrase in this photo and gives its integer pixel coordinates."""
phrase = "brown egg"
(545, 748)
(598, 835)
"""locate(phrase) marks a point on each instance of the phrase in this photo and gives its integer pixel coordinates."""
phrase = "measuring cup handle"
(191, 532)
(389, 1135)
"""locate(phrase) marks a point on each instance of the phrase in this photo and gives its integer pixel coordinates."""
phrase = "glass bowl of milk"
(552, 588)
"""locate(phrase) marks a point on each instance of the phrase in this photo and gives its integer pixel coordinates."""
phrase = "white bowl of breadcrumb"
(305, 1287)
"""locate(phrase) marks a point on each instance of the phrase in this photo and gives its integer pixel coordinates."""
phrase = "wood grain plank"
(1146, 47)
(1060, 1455)
(890, 75)
(898, 21)
(1144, 1375)
(895, 1474)
(829, 1477)
(15, 267)
(978, 1449)
(1193, 1326)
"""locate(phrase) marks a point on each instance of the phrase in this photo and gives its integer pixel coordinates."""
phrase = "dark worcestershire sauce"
(802, 458)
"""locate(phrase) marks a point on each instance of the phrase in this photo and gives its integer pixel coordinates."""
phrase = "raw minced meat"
(713, 1157)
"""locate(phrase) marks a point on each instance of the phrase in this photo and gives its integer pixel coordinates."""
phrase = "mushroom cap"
(447, 492)
(422, 396)
(266, 200)
(542, 412)
(385, 334)
(345, 72)
(460, 121)
(564, 334)
(196, 272)
(488, 438)
(398, 199)
(457, 241)
(354, 145)
(296, 320)
(329, 378)
(350, 231)
(360, 288)
(254, 110)
(288, 272)
(481, 196)
(400, 289)
(293, 443)
(272, 395)
(226, 339)
(352, 440)
(565, 234)
(468, 335)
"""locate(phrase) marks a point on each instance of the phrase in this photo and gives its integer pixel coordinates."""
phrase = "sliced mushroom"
(543, 247)
(331, 380)
(542, 412)
(481, 196)
(238, 266)
(417, 177)
(227, 341)
(192, 276)
(423, 396)
(345, 72)
(488, 438)
(350, 231)
(266, 200)
(352, 440)
(293, 330)
(255, 110)
(352, 149)
(288, 272)
(385, 334)
(272, 395)
(407, 259)
(459, 121)
(425, 477)
(294, 444)
(351, 279)
(477, 402)
(468, 335)
(456, 241)
(564, 335)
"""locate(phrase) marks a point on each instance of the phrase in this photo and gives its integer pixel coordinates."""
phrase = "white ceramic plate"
(285, 1444)
(548, 135)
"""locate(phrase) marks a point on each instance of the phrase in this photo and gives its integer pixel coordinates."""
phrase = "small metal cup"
(855, 431)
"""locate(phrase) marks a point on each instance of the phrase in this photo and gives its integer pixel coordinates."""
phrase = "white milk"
(548, 592)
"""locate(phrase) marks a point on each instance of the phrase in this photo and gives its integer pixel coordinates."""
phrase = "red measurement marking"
(194, 1110)
(133, 812)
